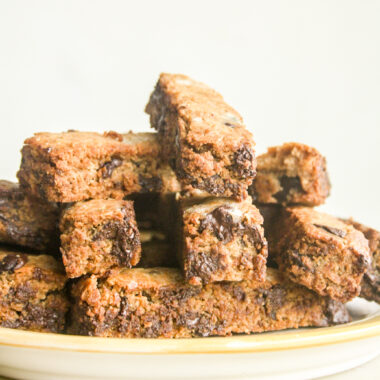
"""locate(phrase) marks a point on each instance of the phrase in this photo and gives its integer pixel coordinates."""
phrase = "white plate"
(291, 354)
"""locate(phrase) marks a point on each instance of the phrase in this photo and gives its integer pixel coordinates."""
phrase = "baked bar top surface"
(209, 120)
(21, 261)
(329, 229)
(97, 210)
(92, 144)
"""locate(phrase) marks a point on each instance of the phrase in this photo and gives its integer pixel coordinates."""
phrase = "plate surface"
(290, 354)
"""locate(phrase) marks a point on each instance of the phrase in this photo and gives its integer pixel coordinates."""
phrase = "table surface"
(366, 371)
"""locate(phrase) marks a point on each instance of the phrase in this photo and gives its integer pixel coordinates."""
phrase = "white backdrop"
(305, 71)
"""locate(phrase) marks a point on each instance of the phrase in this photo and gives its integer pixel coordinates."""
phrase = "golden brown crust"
(32, 294)
(98, 235)
(75, 166)
(320, 252)
(158, 303)
(203, 138)
(291, 174)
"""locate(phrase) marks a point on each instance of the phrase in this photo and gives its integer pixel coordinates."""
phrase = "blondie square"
(291, 174)
(222, 240)
(158, 303)
(202, 137)
(97, 235)
(76, 166)
(320, 252)
(32, 292)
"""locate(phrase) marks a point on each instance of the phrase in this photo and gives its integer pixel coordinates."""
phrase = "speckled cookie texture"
(202, 137)
(320, 252)
(26, 221)
(222, 240)
(32, 292)
(157, 303)
(371, 279)
(98, 235)
(291, 174)
(75, 166)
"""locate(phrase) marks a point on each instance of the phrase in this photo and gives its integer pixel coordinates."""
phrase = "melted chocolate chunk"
(239, 293)
(295, 258)
(10, 263)
(203, 265)
(332, 230)
(125, 239)
(220, 222)
(179, 295)
(213, 185)
(287, 184)
(124, 307)
(150, 184)
(274, 299)
(109, 166)
(244, 158)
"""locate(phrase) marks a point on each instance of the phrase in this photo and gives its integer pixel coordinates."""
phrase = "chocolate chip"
(203, 265)
(150, 184)
(295, 258)
(239, 293)
(274, 299)
(213, 185)
(124, 237)
(244, 158)
(10, 263)
(124, 306)
(288, 184)
(220, 222)
(179, 295)
(254, 236)
(230, 125)
(199, 324)
(109, 166)
(332, 230)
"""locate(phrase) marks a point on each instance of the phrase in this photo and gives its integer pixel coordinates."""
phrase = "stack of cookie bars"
(178, 233)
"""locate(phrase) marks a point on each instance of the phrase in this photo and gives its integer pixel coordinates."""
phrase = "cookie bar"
(75, 166)
(26, 221)
(222, 240)
(320, 252)
(32, 295)
(291, 174)
(157, 303)
(97, 235)
(371, 279)
(202, 137)
(156, 250)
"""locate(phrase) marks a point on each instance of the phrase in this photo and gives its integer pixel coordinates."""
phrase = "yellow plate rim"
(273, 341)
